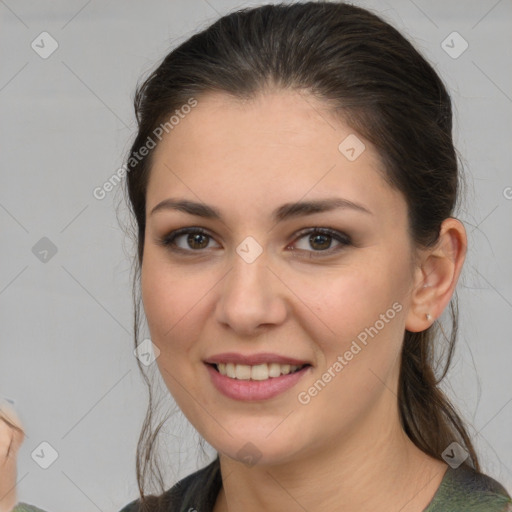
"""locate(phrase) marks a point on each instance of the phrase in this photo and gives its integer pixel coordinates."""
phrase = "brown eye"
(320, 240)
(197, 238)
(187, 240)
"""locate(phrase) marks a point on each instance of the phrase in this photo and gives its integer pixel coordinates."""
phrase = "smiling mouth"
(262, 371)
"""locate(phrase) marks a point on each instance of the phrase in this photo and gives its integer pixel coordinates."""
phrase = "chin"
(254, 450)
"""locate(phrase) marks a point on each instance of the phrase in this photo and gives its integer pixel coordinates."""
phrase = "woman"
(293, 182)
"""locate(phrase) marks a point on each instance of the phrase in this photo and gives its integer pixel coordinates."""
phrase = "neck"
(374, 467)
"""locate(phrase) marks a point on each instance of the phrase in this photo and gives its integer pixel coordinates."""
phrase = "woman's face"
(260, 284)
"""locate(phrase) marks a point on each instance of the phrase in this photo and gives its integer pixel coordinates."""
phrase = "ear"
(436, 276)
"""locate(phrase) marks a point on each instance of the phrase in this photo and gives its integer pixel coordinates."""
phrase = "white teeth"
(274, 370)
(230, 370)
(257, 372)
(243, 371)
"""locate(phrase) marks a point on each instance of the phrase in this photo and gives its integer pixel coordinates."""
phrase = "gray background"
(66, 123)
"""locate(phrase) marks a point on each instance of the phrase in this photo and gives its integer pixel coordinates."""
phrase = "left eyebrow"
(280, 214)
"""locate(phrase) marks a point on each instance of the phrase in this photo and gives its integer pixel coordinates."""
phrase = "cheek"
(171, 302)
(169, 298)
(358, 328)
(344, 301)
(359, 340)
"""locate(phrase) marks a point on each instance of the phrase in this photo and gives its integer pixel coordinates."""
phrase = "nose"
(252, 297)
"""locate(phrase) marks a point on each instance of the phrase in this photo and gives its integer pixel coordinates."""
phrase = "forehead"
(279, 146)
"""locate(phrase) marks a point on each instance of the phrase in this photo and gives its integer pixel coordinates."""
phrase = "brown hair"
(384, 90)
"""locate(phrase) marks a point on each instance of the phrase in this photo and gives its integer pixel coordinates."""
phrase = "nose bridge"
(249, 274)
(248, 295)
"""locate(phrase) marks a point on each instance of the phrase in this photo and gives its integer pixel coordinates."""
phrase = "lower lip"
(251, 390)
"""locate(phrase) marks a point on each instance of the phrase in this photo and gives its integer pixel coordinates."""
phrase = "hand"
(11, 438)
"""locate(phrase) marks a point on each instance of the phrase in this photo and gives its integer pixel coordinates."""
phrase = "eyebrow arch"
(283, 212)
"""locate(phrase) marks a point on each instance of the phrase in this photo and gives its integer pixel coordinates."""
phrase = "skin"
(12, 436)
(345, 449)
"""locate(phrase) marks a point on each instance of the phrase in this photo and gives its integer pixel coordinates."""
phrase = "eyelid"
(324, 231)
(342, 238)
(167, 241)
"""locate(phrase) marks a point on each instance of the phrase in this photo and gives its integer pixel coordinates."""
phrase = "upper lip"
(253, 359)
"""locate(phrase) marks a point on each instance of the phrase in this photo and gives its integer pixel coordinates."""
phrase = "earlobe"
(437, 275)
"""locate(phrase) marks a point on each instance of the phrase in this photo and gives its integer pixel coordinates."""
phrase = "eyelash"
(344, 240)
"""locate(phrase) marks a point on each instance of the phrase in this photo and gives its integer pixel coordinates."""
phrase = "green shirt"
(461, 490)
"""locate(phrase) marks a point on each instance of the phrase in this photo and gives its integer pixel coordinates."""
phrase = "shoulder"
(197, 491)
(465, 490)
